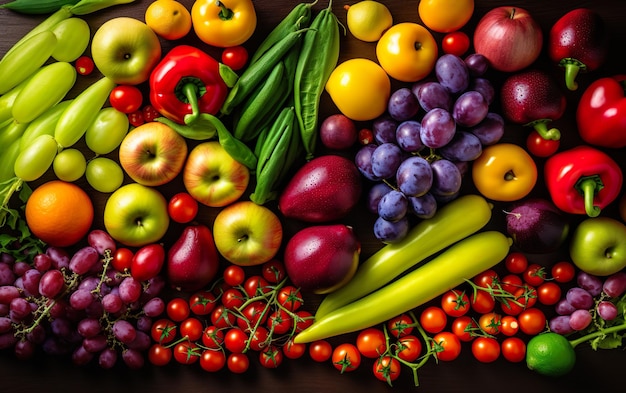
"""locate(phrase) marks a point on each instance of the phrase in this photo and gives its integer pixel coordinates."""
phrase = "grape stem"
(598, 333)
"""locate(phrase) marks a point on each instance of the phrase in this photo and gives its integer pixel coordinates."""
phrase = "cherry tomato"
(256, 285)
(516, 262)
(464, 327)
(232, 298)
(401, 325)
(178, 309)
(202, 302)
(234, 275)
(126, 98)
(433, 319)
(563, 272)
(490, 323)
(149, 113)
(159, 355)
(280, 322)
(191, 328)
(84, 65)
(366, 136)
(487, 279)
(509, 325)
(524, 297)
(147, 262)
(271, 356)
(346, 357)
(447, 346)
(513, 349)
(292, 350)
(186, 352)
(511, 282)
(238, 363)
(273, 271)
(538, 146)
(535, 274)
(253, 314)
(212, 360)
(409, 348)
(482, 302)
(320, 350)
(386, 369)
(549, 293)
(222, 317)
(532, 321)
(371, 342)
(303, 320)
(235, 340)
(486, 349)
(259, 338)
(123, 259)
(163, 331)
(136, 118)
(235, 57)
(455, 43)
(455, 303)
(290, 298)
(182, 208)
(213, 337)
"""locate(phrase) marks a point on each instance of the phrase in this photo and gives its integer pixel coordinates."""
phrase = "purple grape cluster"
(77, 305)
(592, 302)
(424, 142)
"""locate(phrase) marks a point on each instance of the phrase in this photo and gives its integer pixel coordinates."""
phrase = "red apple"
(509, 37)
(153, 154)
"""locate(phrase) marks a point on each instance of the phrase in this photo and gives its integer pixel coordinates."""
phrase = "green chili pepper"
(282, 125)
(194, 130)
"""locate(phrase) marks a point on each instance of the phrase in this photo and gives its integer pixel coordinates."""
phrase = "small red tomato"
(535, 274)
(182, 208)
(191, 328)
(320, 350)
(455, 303)
(280, 322)
(433, 319)
(212, 360)
(541, 147)
(232, 298)
(490, 323)
(371, 342)
(290, 298)
(464, 327)
(486, 349)
(387, 369)
(123, 259)
(178, 309)
(159, 355)
(234, 275)
(259, 338)
(455, 43)
(238, 363)
(126, 98)
(136, 118)
(346, 357)
(486, 279)
(509, 325)
(409, 348)
(213, 337)
(516, 262)
(84, 65)
(163, 331)
(202, 302)
(401, 325)
(235, 57)
(292, 350)
(482, 302)
(273, 271)
(235, 340)
(532, 321)
(563, 272)
(150, 113)
(147, 262)
(513, 349)
(549, 293)
(271, 356)
(186, 352)
(447, 346)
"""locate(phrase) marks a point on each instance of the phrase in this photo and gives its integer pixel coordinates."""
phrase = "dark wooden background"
(599, 371)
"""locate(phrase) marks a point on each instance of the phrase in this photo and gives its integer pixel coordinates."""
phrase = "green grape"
(69, 165)
(72, 39)
(107, 131)
(36, 159)
(104, 174)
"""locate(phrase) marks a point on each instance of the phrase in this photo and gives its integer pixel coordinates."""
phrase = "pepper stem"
(541, 126)
(589, 186)
(225, 12)
(572, 68)
(188, 90)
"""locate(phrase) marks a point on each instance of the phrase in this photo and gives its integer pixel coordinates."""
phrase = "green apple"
(247, 234)
(153, 154)
(125, 50)
(136, 215)
(213, 177)
(598, 246)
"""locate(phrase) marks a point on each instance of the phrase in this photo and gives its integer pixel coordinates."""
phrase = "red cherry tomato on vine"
(159, 355)
(191, 328)
(202, 302)
(271, 356)
(212, 360)
(532, 321)
(235, 340)
(234, 275)
(455, 303)
(447, 346)
(433, 319)
(235, 57)
(273, 271)
(486, 349)
(563, 272)
(163, 331)
(386, 369)
(126, 98)
(182, 208)
(549, 293)
(371, 342)
(409, 348)
(84, 65)
(482, 302)
(320, 350)
(455, 43)
(541, 147)
(346, 357)
(513, 349)
(178, 309)
(238, 363)
(186, 352)
(464, 327)
(535, 274)
(516, 262)
(292, 350)
(401, 325)
(290, 297)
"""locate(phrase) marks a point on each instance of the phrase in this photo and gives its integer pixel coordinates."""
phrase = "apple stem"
(513, 13)
(589, 186)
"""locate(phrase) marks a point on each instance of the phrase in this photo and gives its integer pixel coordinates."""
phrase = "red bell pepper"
(187, 82)
(601, 113)
(582, 180)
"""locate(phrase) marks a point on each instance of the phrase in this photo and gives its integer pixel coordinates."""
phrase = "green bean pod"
(193, 131)
(36, 159)
(44, 124)
(318, 58)
(7, 161)
(296, 19)
(283, 123)
(27, 58)
(43, 91)
(451, 268)
(454, 221)
(77, 117)
(37, 7)
(7, 100)
(12, 132)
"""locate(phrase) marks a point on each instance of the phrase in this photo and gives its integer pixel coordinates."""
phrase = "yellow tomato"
(504, 172)
(360, 89)
(444, 16)
(407, 52)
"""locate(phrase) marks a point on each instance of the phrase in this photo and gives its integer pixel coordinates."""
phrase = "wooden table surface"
(599, 371)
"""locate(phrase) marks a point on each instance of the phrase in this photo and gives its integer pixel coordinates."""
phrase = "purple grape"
(81, 299)
(563, 307)
(452, 72)
(403, 104)
(477, 64)
(112, 303)
(107, 358)
(363, 161)
(374, 195)
(37, 335)
(438, 128)
(94, 310)
(89, 283)
(490, 130)
(386, 159)
(81, 357)
(423, 206)
(579, 298)
(580, 319)
(141, 342)
(484, 87)
(144, 323)
(464, 147)
(60, 257)
(19, 309)
(560, 324)
(7, 340)
(133, 358)
(590, 283)
(408, 136)
(153, 287)
(393, 206)
(55, 346)
(20, 267)
(61, 327)
(95, 343)
(30, 281)
(84, 259)
(42, 262)
(154, 307)
(7, 276)
(89, 327)
(101, 241)
(615, 284)
(51, 283)
(470, 109)
(24, 349)
(7, 258)
(124, 331)
(384, 129)
(414, 176)
(391, 232)
(606, 310)
(4, 310)
(130, 290)
(431, 95)
(446, 178)
(5, 325)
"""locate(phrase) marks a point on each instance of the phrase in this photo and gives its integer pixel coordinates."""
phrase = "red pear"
(192, 260)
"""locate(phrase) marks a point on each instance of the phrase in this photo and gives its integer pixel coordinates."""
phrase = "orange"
(59, 213)
(168, 19)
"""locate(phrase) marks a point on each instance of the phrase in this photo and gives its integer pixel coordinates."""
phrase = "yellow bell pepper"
(224, 23)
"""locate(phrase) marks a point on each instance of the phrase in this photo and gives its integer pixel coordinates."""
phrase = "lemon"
(368, 20)
(550, 354)
(169, 19)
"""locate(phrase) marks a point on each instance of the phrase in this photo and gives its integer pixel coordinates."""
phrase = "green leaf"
(611, 341)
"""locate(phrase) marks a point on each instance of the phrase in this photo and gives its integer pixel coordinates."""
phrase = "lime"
(550, 354)
(368, 20)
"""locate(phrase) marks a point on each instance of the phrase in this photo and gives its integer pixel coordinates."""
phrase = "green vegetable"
(456, 220)
(451, 268)
(318, 58)
(197, 132)
(11, 133)
(84, 7)
(37, 7)
(8, 156)
(44, 124)
(36, 159)
(7, 100)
